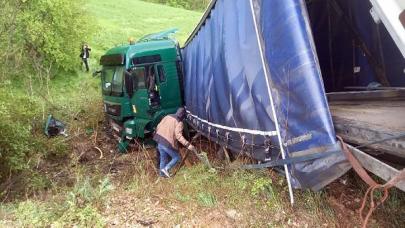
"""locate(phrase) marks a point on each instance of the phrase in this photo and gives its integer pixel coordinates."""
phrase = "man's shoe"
(165, 172)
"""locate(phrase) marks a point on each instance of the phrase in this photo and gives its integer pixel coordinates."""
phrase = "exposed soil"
(124, 209)
(97, 154)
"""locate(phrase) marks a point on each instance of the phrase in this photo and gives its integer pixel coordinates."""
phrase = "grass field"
(86, 189)
(121, 19)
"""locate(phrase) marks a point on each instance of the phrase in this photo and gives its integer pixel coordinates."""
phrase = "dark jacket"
(87, 50)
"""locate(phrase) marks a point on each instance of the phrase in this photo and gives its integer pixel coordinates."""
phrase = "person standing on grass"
(85, 55)
(168, 133)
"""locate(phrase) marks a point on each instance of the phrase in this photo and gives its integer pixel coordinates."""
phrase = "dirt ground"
(126, 208)
(196, 198)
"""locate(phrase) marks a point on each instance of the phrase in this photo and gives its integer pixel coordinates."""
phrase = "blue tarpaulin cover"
(253, 83)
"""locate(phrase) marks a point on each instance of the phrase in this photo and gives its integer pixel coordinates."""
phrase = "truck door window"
(161, 72)
(154, 98)
(150, 78)
(107, 75)
(129, 82)
(117, 81)
(139, 78)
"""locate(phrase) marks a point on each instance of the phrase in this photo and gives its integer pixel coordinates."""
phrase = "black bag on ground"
(54, 127)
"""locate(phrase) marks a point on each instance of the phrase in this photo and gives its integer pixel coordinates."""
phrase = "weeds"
(38, 182)
(80, 208)
(262, 186)
(33, 213)
(84, 193)
(182, 198)
(206, 199)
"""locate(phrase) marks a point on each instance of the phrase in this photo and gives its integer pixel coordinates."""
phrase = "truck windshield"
(112, 80)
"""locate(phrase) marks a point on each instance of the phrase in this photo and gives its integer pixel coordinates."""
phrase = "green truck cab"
(141, 83)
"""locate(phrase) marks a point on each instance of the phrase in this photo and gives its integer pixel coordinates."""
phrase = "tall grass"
(80, 207)
(198, 5)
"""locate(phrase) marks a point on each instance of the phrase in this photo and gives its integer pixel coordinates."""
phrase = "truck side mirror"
(402, 18)
(129, 84)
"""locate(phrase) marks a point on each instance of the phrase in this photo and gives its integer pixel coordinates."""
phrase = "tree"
(37, 39)
(43, 35)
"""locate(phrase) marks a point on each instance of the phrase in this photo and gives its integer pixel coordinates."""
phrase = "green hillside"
(121, 19)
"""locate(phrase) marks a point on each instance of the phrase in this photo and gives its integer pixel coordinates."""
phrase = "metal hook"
(243, 142)
(267, 144)
(227, 139)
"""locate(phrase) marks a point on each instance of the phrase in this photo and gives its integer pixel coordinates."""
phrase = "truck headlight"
(128, 131)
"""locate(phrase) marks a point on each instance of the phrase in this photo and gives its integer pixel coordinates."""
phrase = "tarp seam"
(235, 129)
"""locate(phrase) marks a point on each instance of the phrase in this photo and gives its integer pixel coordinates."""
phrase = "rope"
(372, 184)
(370, 193)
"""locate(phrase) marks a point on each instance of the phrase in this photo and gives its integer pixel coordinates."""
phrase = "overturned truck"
(277, 80)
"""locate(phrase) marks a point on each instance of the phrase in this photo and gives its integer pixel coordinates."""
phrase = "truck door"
(140, 98)
(168, 85)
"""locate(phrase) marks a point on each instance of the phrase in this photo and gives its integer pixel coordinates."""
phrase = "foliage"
(206, 199)
(42, 35)
(262, 186)
(10, 51)
(39, 38)
(198, 5)
(84, 193)
(22, 142)
(16, 142)
(33, 213)
(82, 203)
(53, 31)
(74, 212)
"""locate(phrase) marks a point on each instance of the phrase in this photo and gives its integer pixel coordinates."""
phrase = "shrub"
(34, 214)
(22, 141)
(40, 38)
(81, 208)
(16, 140)
(207, 199)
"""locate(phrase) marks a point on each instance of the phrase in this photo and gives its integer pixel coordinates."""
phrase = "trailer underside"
(368, 116)
(364, 117)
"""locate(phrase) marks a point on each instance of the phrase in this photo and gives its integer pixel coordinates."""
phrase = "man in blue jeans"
(168, 133)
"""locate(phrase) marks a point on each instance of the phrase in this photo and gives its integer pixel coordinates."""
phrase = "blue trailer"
(259, 74)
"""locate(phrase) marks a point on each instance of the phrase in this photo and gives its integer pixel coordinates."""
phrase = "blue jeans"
(166, 152)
